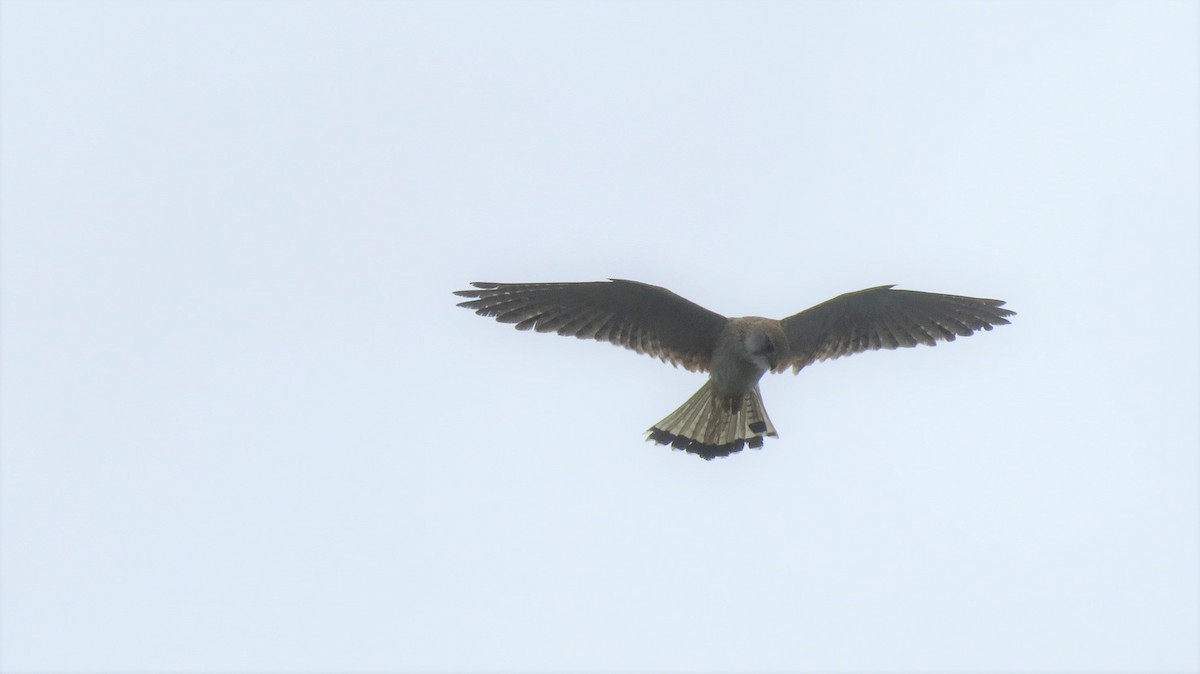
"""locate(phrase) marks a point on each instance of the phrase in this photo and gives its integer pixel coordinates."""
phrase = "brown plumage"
(727, 413)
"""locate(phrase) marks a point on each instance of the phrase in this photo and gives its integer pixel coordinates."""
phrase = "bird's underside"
(727, 414)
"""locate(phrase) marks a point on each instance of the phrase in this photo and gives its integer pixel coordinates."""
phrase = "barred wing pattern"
(884, 318)
(638, 316)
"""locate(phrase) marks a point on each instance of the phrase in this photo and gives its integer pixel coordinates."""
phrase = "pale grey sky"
(245, 428)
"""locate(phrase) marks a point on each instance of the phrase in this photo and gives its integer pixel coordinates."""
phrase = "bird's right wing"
(645, 318)
(884, 318)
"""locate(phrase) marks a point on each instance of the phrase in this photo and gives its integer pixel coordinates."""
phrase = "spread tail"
(710, 426)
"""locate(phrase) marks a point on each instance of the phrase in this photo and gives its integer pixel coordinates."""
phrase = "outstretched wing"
(645, 318)
(883, 318)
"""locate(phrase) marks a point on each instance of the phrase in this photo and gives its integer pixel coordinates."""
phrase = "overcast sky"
(244, 426)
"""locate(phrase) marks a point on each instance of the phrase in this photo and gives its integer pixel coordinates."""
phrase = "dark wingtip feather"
(481, 285)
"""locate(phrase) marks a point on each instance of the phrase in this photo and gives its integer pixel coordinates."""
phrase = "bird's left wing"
(884, 318)
(645, 318)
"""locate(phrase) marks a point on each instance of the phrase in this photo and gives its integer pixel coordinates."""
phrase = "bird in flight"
(727, 413)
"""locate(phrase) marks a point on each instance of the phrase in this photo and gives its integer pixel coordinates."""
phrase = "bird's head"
(766, 345)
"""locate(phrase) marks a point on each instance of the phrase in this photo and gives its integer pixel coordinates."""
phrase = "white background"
(245, 427)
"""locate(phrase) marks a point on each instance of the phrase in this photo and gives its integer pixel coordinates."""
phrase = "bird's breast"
(733, 375)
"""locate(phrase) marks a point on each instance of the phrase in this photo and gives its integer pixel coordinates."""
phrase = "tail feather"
(710, 426)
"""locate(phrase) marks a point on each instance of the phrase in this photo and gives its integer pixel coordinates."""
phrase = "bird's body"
(727, 413)
(747, 348)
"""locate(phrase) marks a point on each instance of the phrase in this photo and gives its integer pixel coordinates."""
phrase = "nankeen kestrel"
(727, 413)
